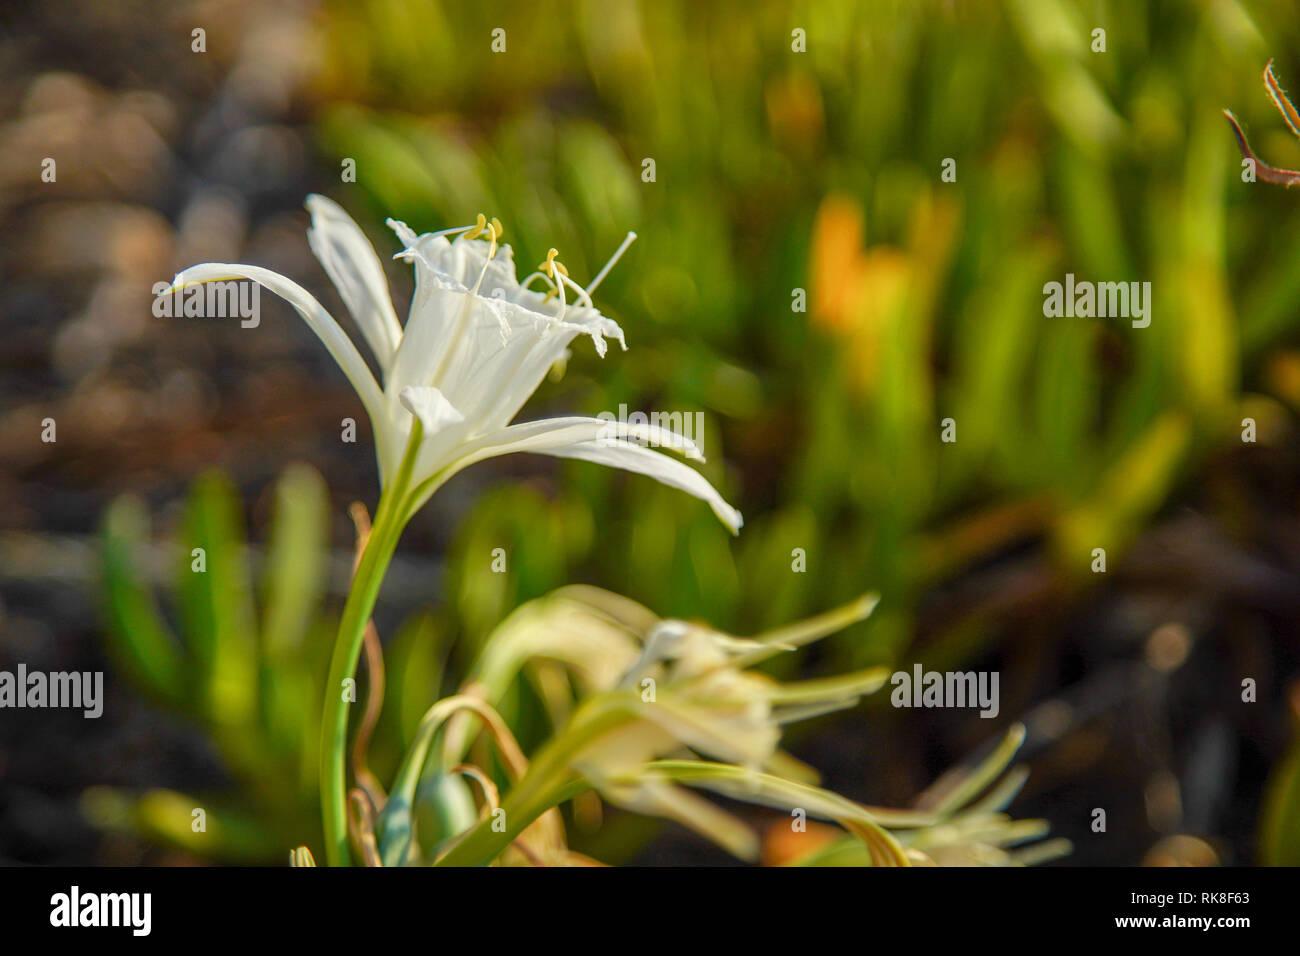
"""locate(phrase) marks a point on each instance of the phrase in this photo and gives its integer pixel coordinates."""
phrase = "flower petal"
(442, 335)
(536, 343)
(668, 471)
(567, 440)
(353, 266)
(327, 330)
(459, 263)
(431, 407)
(476, 334)
(312, 312)
(505, 374)
(549, 433)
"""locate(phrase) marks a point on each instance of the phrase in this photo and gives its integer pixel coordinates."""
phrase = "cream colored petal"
(644, 461)
(569, 439)
(353, 266)
(535, 343)
(577, 437)
(445, 334)
(660, 799)
(548, 433)
(316, 317)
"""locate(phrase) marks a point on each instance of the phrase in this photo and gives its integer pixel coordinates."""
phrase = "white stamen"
(559, 289)
(582, 293)
(600, 276)
(457, 229)
(537, 275)
(491, 252)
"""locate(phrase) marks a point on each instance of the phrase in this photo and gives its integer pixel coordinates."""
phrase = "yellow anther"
(488, 229)
(552, 266)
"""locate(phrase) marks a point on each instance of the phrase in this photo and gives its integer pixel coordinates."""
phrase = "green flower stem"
(390, 518)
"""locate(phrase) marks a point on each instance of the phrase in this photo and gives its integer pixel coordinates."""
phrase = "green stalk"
(390, 518)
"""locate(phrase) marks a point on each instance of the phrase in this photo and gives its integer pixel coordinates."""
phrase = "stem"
(390, 518)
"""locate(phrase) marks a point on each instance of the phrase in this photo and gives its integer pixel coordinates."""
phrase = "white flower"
(476, 345)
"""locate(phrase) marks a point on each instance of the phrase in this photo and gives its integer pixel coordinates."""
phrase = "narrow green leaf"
(138, 637)
(296, 560)
(216, 594)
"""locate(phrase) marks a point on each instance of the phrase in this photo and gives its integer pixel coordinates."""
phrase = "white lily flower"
(477, 343)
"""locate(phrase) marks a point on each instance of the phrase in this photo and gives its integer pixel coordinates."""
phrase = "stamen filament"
(453, 230)
(535, 275)
(559, 288)
(618, 253)
(583, 293)
(492, 251)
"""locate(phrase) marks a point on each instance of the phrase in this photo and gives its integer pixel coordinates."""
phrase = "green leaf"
(296, 561)
(216, 595)
(448, 797)
(138, 638)
(959, 786)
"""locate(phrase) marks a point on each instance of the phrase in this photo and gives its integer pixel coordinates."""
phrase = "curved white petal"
(353, 266)
(548, 433)
(529, 373)
(404, 232)
(320, 322)
(506, 373)
(547, 438)
(442, 335)
(312, 312)
(668, 471)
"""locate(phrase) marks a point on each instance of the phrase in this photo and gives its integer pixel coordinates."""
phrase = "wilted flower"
(476, 345)
(650, 689)
(665, 707)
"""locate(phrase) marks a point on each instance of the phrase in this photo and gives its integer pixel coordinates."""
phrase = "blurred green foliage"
(820, 171)
(250, 680)
(778, 171)
(245, 664)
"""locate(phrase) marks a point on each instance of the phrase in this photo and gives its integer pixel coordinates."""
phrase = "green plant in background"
(618, 701)
(923, 304)
(924, 296)
(924, 293)
(246, 665)
(1279, 836)
(247, 620)
(638, 707)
